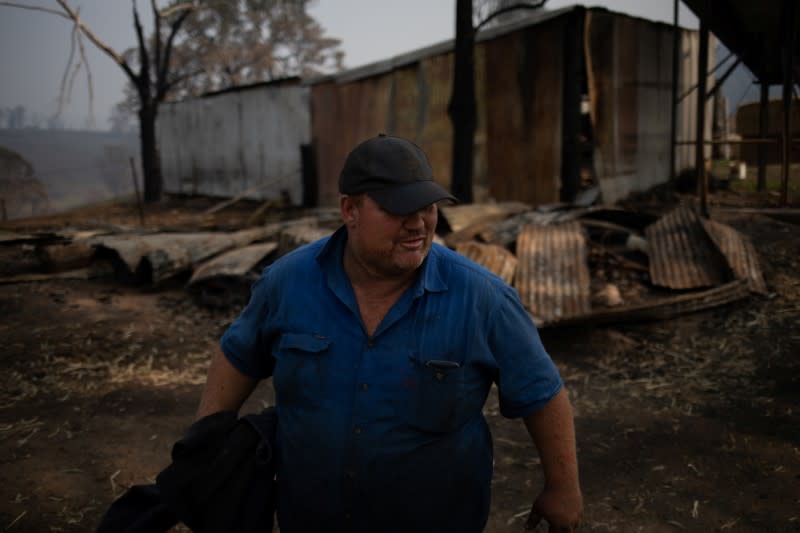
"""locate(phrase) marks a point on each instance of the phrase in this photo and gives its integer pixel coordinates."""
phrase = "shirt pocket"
(437, 394)
(300, 375)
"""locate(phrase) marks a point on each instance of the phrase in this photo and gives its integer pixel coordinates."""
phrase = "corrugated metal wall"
(519, 84)
(629, 70)
(687, 109)
(518, 137)
(410, 101)
(342, 115)
(524, 109)
(226, 144)
(229, 143)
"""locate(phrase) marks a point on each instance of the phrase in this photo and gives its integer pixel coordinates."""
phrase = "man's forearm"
(226, 388)
(553, 431)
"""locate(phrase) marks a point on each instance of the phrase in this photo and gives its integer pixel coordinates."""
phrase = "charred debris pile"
(570, 265)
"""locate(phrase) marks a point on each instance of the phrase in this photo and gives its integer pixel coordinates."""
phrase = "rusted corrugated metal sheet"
(519, 75)
(496, 259)
(435, 131)
(682, 255)
(247, 140)
(473, 220)
(739, 252)
(524, 113)
(460, 216)
(344, 115)
(506, 231)
(410, 101)
(629, 71)
(553, 273)
(409, 96)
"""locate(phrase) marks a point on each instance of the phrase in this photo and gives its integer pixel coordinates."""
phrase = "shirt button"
(357, 430)
(364, 386)
(347, 516)
(370, 344)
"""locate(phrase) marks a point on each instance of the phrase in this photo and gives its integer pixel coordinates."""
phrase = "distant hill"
(73, 167)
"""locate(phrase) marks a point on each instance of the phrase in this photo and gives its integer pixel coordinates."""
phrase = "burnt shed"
(568, 100)
(245, 141)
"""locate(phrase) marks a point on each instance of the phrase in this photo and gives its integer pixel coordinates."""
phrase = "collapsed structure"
(569, 264)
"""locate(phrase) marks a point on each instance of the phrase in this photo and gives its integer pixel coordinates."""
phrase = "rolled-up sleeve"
(527, 378)
(244, 343)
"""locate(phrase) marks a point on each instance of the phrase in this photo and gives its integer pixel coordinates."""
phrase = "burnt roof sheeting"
(299, 235)
(682, 255)
(506, 231)
(235, 263)
(459, 217)
(553, 272)
(496, 259)
(160, 256)
(739, 252)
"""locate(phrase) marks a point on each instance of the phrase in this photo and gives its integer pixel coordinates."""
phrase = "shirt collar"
(429, 279)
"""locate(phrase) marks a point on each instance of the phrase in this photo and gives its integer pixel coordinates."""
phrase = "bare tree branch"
(78, 63)
(85, 61)
(178, 79)
(35, 8)
(161, 76)
(62, 89)
(97, 42)
(143, 83)
(72, 78)
(512, 7)
(178, 7)
(157, 32)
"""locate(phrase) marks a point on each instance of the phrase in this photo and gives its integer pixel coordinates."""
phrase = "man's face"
(386, 244)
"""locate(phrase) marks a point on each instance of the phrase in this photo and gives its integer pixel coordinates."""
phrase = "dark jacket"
(222, 479)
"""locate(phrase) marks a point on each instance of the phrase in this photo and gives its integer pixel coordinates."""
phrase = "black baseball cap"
(394, 172)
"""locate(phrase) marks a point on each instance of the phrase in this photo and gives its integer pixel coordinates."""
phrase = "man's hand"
(562, 508)
(553, 432)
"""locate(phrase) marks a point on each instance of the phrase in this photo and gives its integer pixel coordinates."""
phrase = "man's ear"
(348, 209)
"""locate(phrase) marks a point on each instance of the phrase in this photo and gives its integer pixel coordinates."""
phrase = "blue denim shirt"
(386, 433)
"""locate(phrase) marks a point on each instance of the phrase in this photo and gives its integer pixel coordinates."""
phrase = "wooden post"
(463, 106)
(788, 61)
(136, 188)
(763, 131)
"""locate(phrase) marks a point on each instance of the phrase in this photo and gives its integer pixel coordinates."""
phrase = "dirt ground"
(689, 424)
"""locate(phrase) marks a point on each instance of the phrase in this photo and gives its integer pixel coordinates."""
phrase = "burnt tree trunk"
(151, 165)
(463, 105)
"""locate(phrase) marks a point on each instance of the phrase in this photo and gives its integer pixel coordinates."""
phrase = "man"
(383, 348)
